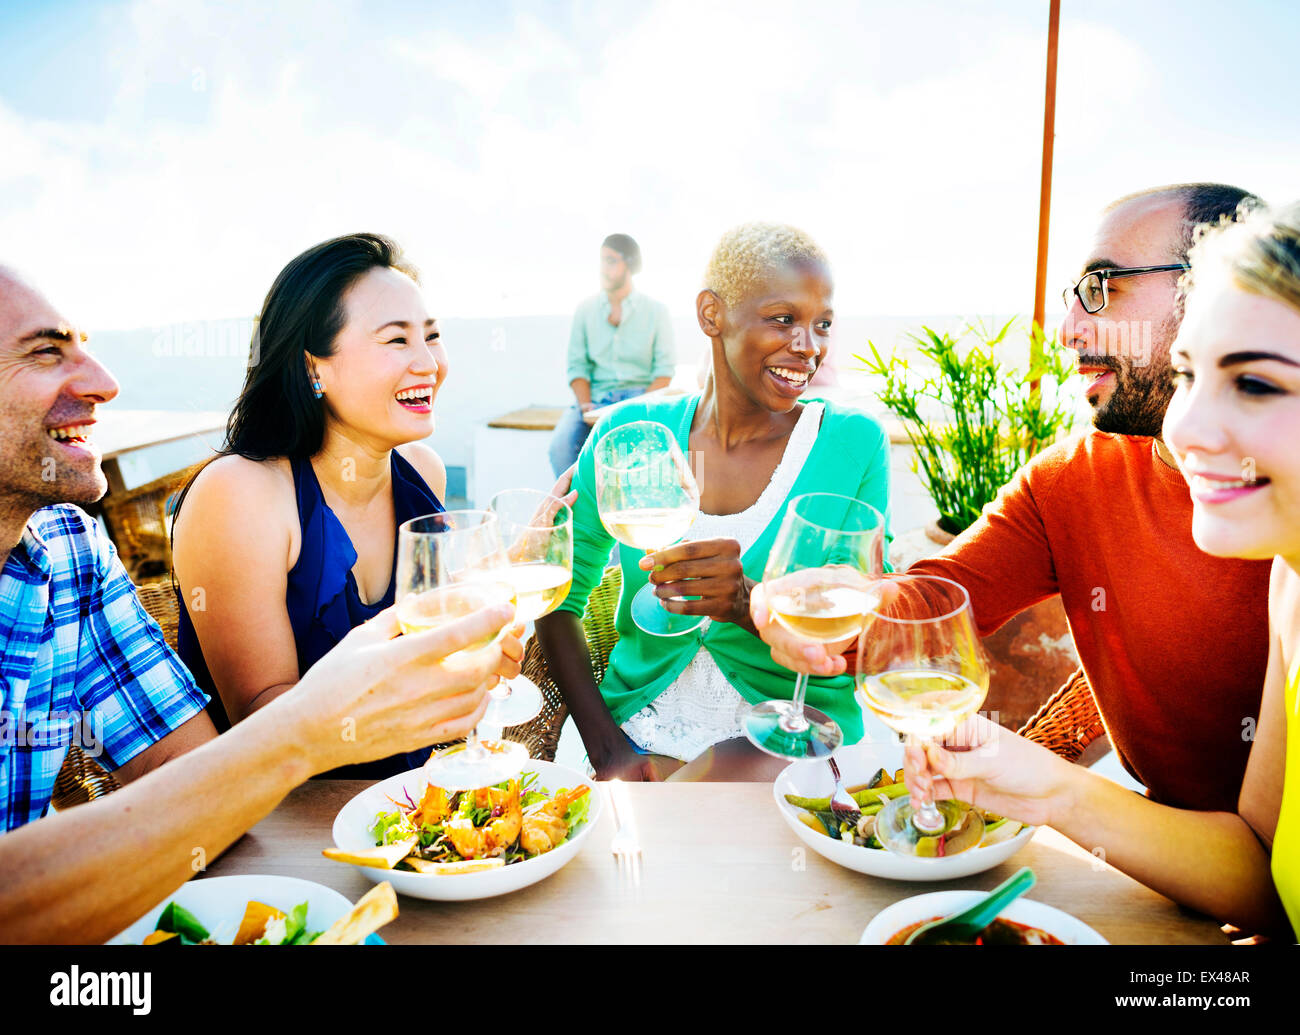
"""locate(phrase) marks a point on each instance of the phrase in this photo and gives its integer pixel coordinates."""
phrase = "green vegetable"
(578, 810)
(389, 827)
(295, 923)
(864, 798)
(179, 920)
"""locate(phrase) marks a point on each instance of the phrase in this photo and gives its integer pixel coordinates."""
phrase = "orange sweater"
(1173, 641)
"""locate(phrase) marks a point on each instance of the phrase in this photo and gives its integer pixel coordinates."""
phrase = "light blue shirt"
(631, 355)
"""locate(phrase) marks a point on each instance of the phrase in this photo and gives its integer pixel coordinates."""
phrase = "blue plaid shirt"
(80, 662)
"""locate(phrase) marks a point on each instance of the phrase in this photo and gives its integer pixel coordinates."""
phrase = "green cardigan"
(850, 456)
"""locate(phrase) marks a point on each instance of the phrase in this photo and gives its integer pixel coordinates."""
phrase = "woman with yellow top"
(1233, 424)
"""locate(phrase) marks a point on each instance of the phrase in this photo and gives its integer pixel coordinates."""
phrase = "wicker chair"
(139, 522)
(1068, 721)
(542, 734)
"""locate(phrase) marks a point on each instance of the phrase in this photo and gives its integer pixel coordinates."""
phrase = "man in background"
(621, 345)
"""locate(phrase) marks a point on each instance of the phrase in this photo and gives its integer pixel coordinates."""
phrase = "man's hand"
(706, 568)
(377, 693)
(794, 652)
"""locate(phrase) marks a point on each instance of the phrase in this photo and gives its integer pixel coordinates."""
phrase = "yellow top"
(1286, 841)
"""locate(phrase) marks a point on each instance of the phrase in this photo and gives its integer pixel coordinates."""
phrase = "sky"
(161, 161)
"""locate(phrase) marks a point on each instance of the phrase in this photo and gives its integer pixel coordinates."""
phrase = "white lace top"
(701, 707)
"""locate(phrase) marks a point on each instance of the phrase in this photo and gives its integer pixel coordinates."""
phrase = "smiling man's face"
(49, 388)
(1123, 351)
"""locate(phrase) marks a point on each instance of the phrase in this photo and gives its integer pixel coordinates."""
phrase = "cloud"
(500, 148)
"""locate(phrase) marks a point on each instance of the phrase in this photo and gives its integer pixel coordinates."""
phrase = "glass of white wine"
(647, 499)
(922, 671)
(537, 532)
(820, 580)
(450, 565)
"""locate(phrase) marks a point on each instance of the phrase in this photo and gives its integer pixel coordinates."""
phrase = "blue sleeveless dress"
(322, 598)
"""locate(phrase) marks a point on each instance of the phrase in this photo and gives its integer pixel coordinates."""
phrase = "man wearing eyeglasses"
(1173, 642)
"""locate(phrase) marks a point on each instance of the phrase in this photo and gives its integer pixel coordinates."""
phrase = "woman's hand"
(627, 764)
(377, 693)
(794, 652)
(992, 768)
(560, 490)
(706, 568)
(512, 652)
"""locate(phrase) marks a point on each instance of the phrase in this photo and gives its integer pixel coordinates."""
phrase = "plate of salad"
(242, 909)
(455, 846)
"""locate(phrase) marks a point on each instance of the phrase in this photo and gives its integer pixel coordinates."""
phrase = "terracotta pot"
(1030, 657)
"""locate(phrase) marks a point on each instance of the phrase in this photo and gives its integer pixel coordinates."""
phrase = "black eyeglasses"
(1090, 289)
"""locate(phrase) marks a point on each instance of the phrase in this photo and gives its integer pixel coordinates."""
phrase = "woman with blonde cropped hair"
(1232, 424)
(669, 706)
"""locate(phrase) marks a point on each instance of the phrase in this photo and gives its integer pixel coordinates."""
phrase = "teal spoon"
(967, 924)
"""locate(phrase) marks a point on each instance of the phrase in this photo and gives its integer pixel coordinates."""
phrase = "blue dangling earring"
(316, 388)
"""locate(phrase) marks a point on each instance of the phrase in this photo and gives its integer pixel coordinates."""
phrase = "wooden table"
(719, 865)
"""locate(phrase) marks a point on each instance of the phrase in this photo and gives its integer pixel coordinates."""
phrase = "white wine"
(435, 608)
(922, 702)
(649, 528)
(822, 604)
(539, 589)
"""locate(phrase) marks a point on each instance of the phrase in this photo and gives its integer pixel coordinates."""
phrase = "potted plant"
(974, 418)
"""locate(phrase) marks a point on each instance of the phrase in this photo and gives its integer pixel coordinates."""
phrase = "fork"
(626, 845)
(843, 806)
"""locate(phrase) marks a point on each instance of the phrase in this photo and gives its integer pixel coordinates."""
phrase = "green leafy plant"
(973, 419)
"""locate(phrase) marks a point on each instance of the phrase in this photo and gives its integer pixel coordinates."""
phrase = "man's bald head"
(1200, 204)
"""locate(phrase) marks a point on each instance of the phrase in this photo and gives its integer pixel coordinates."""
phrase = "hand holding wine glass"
(450, 565)
(537, 535)
(922, 671)
(647, 499)
(820, 581)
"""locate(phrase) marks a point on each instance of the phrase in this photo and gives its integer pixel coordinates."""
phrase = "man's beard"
(1137, 404)
(1141, 394)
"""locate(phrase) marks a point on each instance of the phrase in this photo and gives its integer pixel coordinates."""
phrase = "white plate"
(218, 903)
(858, 763)
(888, 922)
(351, 835)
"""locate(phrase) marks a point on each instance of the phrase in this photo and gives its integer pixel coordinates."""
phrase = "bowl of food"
(871, 770)
(261, 909)
(452, 846)
(1023, 922)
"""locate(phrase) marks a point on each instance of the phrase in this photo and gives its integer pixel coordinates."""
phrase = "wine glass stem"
(794, 722)
(650, 553)
(927, 818)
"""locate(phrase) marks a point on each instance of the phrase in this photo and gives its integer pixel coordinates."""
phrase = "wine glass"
(647, 499)
(820, 581)
(537, 531)
(922, 671)
(450, 565)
